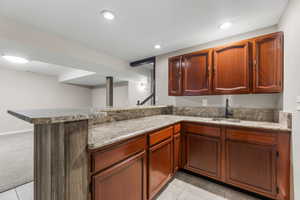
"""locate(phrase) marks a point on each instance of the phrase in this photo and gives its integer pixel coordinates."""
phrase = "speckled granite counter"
(62, 136)
(51, 116)
(107, 133)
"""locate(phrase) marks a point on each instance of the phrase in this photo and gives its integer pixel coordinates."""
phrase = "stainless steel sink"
(227, 120)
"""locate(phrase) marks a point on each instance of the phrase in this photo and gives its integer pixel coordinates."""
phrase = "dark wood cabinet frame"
(249, 144)
(277, 142)
(258, 69)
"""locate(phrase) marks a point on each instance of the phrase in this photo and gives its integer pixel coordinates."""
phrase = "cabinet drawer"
(117, 153)
(258, 137)
(177, 128)
(161, 135)
(202, 130)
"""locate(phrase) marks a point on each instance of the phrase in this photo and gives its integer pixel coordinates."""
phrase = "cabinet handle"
(254, 63)
(208, 72)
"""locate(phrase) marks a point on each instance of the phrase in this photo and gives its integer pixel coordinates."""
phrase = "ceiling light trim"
(107, 14)
(15, 59)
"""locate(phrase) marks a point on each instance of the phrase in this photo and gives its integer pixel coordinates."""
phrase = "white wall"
(120, 96)
(266, 101)
(24, 90)
(136, 92)
(291, 27)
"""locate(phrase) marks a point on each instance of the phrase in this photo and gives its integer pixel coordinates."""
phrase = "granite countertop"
(108, 133)
(50, 116)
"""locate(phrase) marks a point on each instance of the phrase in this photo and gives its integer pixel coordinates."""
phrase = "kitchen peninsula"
(84, 154)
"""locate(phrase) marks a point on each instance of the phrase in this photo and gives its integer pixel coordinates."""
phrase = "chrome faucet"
(227, 112)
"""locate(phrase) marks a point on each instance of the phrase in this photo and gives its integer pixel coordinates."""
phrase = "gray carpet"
(16, 160)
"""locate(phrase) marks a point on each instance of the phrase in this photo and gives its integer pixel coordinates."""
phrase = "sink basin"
(227, 120)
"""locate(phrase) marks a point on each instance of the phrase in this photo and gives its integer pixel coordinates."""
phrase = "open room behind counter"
(26, 90)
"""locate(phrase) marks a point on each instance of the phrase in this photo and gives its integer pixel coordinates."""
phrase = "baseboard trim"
(15, 132)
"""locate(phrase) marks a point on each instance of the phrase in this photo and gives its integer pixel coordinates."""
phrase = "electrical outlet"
(298, 99)
(204, 102)
(298, 103)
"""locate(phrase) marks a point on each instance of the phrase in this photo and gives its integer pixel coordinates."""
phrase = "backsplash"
(199, 111)
(251, 114)
(256, 114)
(130, 113)
(285, 119)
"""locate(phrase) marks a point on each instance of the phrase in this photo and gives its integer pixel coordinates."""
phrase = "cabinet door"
(203, 155)
(196, 73)
(124, 181)
(160, 166)
(177, 152)
(268, 63)
(175, 79)
(232, 69)
(251, 166)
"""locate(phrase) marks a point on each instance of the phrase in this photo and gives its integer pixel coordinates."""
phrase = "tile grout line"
(17, 194)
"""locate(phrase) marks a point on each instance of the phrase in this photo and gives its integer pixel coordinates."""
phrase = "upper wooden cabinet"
(250, 66)
(175, 78)
(197, 73)
(268, 63)
(232, 69)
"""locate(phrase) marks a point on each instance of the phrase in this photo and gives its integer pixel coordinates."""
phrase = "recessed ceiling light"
(157, 46)
(225, 25)
(108, 14)
(15, 59)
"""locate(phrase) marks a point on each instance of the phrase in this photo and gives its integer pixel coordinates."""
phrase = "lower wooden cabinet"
(160, 166)
(252, 159)
(177, 151)
(124, 181)
(251, 166)
(203, 155)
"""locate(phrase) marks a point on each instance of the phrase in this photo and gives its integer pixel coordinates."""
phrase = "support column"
(109, 91)
(61, 161)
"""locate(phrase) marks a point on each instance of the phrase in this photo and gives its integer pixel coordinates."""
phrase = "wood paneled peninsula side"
(89, 154)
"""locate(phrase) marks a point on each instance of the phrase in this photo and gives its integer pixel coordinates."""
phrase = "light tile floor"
(23, 192)
(190, 187)
(183, 187)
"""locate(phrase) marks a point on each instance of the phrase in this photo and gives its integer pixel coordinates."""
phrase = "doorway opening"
(148, 66)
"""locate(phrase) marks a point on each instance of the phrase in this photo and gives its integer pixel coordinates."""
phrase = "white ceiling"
(63, 74)
(37, 67)
(140, 24)
(91, 80)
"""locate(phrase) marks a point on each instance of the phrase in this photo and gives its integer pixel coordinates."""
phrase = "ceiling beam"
(142, 62)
